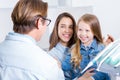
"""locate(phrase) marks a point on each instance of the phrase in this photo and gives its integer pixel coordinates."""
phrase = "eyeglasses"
(48, 21)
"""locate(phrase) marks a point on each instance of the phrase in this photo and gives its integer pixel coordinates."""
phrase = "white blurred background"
(107, 11)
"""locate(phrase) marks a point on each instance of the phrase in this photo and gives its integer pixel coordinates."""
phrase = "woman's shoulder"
(53, 51)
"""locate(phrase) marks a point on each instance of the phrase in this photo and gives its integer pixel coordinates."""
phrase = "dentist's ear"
(38, 23)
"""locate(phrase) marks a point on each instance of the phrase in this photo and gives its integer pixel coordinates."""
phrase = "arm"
(87, 75)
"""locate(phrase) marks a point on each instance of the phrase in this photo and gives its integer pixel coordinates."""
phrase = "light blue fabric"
(21, 59)
(60, 52)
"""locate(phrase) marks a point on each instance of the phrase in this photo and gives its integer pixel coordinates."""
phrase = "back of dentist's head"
(26, 13)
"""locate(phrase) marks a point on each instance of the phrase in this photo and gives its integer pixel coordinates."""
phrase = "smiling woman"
(62, 38)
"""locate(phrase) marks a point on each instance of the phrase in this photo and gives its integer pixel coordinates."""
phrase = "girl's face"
(85, 33)
(65, 30)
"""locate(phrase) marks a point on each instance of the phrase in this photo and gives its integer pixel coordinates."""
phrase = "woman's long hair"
(54, 38)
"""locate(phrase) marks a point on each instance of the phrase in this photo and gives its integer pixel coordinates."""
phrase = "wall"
(5, 22)
(107, 12)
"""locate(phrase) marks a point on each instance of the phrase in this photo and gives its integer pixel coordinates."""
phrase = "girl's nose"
(83, 33)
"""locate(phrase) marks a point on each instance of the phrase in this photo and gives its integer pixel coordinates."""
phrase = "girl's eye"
(80, 29)
(87, 30)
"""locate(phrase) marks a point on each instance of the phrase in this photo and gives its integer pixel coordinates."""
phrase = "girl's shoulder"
(101, 46)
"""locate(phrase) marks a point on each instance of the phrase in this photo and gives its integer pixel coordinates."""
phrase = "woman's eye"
(70, 27)
(62, 26)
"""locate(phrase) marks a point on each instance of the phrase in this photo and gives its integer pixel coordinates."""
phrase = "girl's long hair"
(94, 24)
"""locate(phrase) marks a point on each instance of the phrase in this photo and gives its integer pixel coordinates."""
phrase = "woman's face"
(65, 30)
(85, 33)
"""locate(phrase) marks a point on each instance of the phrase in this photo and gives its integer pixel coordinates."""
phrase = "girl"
(87, 46)
(62, 38)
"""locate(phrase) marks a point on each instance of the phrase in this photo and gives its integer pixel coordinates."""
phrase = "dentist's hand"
(108, 40)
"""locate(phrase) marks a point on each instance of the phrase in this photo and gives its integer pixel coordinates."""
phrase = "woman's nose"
(67, 29)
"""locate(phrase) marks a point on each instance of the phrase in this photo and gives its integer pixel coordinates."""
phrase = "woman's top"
(60, 52)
